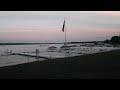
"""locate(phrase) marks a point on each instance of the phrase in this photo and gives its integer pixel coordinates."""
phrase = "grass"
(104, 65)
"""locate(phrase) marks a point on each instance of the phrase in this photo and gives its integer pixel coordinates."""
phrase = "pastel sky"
(46, 26)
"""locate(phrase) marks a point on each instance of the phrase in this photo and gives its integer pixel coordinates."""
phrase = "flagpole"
(65, 33)
(65, 51)
(64, 29)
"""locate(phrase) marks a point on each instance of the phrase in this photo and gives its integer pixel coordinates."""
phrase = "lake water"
(43, 49)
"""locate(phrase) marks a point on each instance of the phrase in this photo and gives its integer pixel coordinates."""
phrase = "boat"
(74, 47)
(52, 49)
(65, 47)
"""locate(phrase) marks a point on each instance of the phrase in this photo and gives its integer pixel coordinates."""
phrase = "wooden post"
(28, 59)
(50, 56)
(37, 53)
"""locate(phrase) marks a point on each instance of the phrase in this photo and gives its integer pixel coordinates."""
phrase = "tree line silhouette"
(115, 40)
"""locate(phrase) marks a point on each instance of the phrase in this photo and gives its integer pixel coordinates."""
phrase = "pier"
(27, 55)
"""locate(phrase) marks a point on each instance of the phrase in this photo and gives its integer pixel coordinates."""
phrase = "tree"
(106, 41)
(115, 40)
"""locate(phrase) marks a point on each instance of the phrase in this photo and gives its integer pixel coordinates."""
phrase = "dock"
(27, 55)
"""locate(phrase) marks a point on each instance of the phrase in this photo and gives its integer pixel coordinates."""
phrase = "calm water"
(30, 49)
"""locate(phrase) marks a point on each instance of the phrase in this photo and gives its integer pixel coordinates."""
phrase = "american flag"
(63, 26)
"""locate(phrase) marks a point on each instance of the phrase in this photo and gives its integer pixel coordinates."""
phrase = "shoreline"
(105, 65)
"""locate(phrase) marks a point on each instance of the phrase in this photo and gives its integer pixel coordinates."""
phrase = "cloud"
(55, 18)
(116, 13)
(38, 24)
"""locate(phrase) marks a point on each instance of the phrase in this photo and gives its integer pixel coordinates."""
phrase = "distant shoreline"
(46, 43)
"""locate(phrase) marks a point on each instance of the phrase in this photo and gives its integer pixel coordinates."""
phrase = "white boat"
(65, 47)
(74, 47)
(52, 49)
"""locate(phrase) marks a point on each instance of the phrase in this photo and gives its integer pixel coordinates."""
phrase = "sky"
(46, 26)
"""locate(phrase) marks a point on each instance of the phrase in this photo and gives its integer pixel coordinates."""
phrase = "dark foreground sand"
(96, 66)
